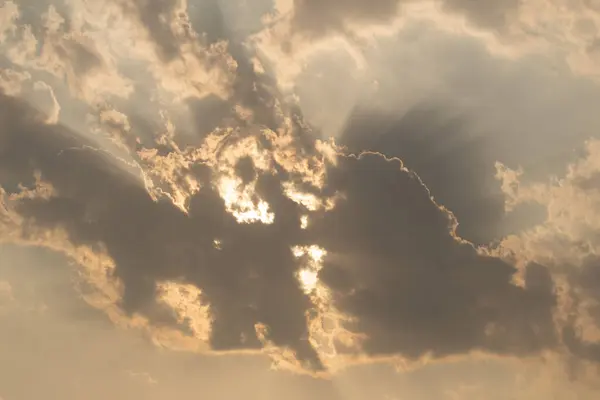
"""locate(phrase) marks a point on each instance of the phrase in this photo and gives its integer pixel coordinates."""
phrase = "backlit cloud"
(194, 182)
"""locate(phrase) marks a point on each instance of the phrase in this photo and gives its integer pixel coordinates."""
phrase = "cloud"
(161, 19)
(78, 348)
(567, 241)
(439, 148)
(331, 15)
(582, 336)
(394, 263)
(514, 30)
(11, 81)
(568, 235)
(449, 109)
(387, 243)
(151, 241)
(251, 234)
(43, 40)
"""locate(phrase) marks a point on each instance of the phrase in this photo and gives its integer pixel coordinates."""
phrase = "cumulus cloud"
(152, 240)
(439, 149)
(567, 241)
(393, 266)
(43, 40)
(395, 263)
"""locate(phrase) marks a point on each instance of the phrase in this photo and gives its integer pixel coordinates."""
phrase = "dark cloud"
(72, 351)
(96, 202)
(207, 18)
(586, 280)
(395, 259)
(393, 262)
(440, 150)
(244, 169)
(579, 347)
(323, 16)
(208, 113)
(456, 166)
(412, 286)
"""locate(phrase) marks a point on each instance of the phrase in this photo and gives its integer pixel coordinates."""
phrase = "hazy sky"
(300, 199)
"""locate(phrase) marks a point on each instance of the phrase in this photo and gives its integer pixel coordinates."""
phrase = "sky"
(300, 199)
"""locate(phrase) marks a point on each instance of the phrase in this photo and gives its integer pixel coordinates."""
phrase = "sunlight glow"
(184, 299)
(308, 200)
(304, 221)
(308, 279)
(241, 202)
(308, 276)
(326, 323)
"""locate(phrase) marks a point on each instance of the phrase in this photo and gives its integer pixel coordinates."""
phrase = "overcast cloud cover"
(383, 199)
